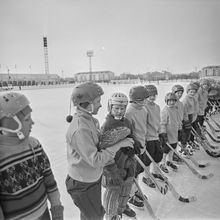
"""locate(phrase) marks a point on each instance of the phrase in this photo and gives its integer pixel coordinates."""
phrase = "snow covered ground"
(50, 108)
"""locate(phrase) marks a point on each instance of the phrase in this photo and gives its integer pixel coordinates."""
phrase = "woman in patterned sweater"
(26, 178)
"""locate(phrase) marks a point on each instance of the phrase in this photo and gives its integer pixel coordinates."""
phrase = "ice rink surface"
(50, 108)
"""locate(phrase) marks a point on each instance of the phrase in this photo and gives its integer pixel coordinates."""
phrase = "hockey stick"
(194, 171)
(212, 128)
(195, 162)
(146, 203)
(171, 187)
(214, 148)
(162, 190)
(214, 139)
(204, 145)
(216, 124)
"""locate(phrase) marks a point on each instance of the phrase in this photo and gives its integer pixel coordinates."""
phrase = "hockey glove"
(137, 147)
(57, 212)
(112, 174)
(163, 138)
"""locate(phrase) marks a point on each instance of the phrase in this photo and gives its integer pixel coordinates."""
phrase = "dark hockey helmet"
(170, 96)
(151, 89)
(138, 93)
(191, 86)
(177, 88)
(205, 82)
(86, 92)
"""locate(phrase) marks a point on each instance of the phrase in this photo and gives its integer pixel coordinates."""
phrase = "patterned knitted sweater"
(26, 179)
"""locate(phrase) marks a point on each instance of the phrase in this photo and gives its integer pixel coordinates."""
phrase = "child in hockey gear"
(190, 103)
(85, 160)
(137, 115)
(203, 99)
(185, 125)
(170, 124)
(26, 178)
(153, 127)
(118, 174)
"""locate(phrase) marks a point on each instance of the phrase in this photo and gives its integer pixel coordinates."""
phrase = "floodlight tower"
(46, 62)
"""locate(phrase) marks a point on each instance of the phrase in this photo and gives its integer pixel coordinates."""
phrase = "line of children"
(88, 158)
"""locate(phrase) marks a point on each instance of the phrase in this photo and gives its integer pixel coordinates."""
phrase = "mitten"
(187, 125)
(180, 135)
(163, 138)
(112, 174)
(137, 147)
(57, 212)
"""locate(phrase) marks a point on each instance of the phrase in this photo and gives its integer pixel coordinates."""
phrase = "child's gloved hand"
(137, 147)
(163, 138)
(57, 212)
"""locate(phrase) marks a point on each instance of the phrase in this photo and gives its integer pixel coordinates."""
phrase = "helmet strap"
(16, 131)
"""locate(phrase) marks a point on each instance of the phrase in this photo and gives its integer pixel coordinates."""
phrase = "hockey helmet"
(177, 88)
(10, 105)
(86, 92)
(191, 86)
(138, 93)
(170, 96)
(205, 82)
(151, 89)
(117, 98)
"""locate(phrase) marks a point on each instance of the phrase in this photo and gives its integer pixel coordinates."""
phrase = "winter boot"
(136, 202)
(158, 176)
(149, 182)
(173, 166)
(129, 212)
(163, 167)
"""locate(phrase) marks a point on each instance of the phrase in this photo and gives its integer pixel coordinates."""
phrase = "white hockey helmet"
(10, 105)
(117, 98)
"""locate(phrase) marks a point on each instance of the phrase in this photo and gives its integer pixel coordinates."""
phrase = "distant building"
(98, 76)
(210, 71)
(28, 79)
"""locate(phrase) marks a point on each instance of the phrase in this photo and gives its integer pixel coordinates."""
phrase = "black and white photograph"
(109, 109)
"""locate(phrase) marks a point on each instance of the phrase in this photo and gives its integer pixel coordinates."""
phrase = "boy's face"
(118, 111)
(27, 125)
(96, 105)
(191, 92)
(179, 94)
(205, 87)
(152, 98)
(171, 102)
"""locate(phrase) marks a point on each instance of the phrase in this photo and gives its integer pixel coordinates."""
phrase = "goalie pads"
(116, 198)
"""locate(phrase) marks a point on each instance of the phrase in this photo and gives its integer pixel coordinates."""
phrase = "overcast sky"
(133, 36)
